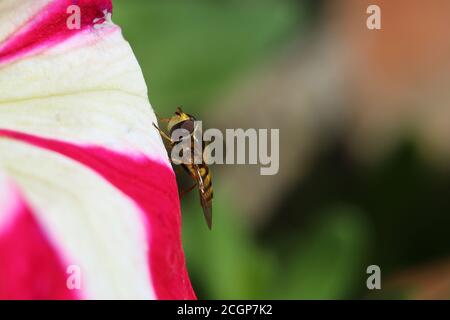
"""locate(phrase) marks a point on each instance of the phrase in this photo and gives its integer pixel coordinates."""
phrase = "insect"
(200, 173)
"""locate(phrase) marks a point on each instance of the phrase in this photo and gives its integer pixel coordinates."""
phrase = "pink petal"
(30, 267)
(111, 142)
(49, 27)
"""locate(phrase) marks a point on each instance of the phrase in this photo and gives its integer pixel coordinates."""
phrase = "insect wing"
(206, 204)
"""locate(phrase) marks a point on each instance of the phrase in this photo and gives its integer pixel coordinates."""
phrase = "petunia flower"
(89, 205)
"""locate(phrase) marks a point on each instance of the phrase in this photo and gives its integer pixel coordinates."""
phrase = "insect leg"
(162, 119)
(163, 134)
(185, 192)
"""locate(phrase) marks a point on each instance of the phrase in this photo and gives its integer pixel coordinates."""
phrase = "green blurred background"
(337, 206)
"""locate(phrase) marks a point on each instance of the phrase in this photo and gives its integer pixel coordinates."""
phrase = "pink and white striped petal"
(21, 235)
(83, 168)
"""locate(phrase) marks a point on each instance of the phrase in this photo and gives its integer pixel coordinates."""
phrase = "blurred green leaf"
(190, 50)
(326, 262)
(226, 261)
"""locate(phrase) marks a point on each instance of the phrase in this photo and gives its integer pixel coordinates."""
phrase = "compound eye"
(188, 125)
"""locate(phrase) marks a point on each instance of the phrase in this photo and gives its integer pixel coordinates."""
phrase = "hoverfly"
(200, 173)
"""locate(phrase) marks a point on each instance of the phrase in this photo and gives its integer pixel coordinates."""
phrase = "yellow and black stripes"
(205, 174)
